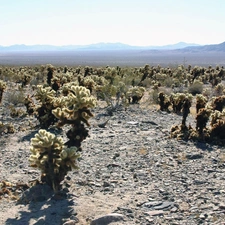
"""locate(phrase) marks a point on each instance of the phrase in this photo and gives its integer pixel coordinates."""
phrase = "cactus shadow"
(44, 207)
(204, 146)
(28, 136)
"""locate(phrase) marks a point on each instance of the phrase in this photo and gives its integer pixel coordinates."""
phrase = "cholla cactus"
(63, 78)
(65, 89)
(7, 128)
(50, 70)
(219, 89)
(29, 103)
(110, 74)
(89, 83)
(2, 88)
(49, 154)
(134, 94)
(216, 116)
(184, 102)
(26, 78)
(164, 101)
(99, 80)
(46, 96)
(218, 103)
(186, 110)
(201, 101)
(79, 98)
(218, 125)
(177, 100)
(76, 112)
(202, 119)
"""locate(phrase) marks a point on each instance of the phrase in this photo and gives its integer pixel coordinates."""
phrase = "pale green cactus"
(45, 140)
(216, 115)
(65, 89)
(2, 85)
(201, 101)
(69, 157)
(89, 83)
(76, 105)
(177, 100)
(44, 94)
(49, 154)
(79, 98)
(42, 145)
(134, 94)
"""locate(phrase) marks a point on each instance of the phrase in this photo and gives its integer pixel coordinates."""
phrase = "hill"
(205, 48)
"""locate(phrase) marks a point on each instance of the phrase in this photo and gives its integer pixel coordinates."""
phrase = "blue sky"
(134, 22)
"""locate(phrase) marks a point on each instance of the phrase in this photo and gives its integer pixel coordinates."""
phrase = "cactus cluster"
(134, 94)
(49, 153)
(206, 115)
(177, 100)
(66, 99)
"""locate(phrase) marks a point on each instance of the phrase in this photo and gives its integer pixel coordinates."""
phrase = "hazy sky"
(134, 22)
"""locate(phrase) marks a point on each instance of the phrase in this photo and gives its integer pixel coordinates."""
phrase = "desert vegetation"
(61, 100)
(57, 96)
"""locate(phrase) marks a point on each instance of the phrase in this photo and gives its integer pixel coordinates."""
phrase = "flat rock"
(109, 218)
(155, 213)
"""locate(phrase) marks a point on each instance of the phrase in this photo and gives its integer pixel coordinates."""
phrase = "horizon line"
(63, 45)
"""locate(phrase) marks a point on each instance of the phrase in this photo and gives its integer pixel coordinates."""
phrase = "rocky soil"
(131, 172)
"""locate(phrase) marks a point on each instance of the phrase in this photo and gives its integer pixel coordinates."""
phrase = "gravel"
(130, 171)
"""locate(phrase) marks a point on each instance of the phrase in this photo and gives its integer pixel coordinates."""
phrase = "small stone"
(97, 185)
(174, 209)
(184, 206)
(194, 156)
(152, 204)
(222, 206)
(149, 219)
(155, 213)
(164, 205)
(132, 122)
(113, 217)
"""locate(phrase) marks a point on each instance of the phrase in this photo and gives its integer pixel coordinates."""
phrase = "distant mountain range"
(97, 46)
(180, 47)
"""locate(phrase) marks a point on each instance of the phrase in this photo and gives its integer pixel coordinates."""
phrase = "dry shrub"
(147, 83)
(196, 88)
(154, 96)
(15, 97)
(168, 82)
